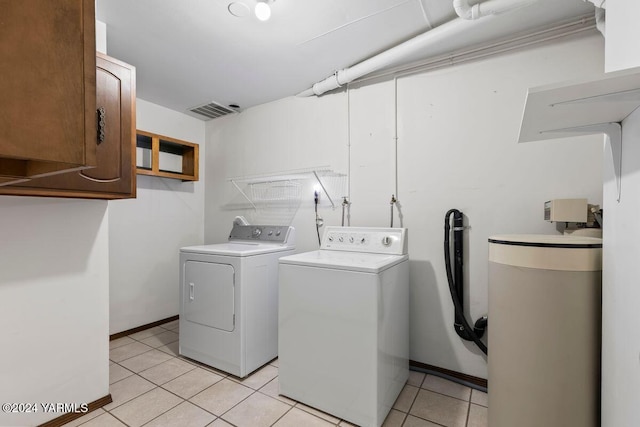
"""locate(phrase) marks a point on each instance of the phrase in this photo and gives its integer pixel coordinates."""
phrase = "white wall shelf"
(317, 173)
(583, 108)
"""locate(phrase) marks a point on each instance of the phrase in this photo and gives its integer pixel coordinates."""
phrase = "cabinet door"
(47, 106)
(114, 176)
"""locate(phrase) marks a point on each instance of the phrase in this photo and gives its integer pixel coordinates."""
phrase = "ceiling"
(191, 52)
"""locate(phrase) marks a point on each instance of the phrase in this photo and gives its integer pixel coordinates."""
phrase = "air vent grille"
(212, 110)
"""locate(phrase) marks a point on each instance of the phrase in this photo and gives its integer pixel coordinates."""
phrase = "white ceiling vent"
(212, 110)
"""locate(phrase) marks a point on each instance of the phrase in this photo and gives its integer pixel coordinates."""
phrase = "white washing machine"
(229, 298)
(344, 323)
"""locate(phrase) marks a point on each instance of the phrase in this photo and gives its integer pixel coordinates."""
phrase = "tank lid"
(554, 252)
(547, 241)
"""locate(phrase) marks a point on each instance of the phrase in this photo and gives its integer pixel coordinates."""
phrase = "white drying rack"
(290, 190)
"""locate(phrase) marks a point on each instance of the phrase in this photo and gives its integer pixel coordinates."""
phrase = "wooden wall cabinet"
(114, 176)
(47, 87)
(166, 157)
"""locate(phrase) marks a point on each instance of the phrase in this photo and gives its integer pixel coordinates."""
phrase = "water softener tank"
(544, 306)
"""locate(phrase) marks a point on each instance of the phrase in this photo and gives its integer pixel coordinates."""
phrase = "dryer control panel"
(261, 233)
(392, 241)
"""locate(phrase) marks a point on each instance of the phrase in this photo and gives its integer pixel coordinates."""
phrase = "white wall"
(457, 148)
(461, 126)
(620, 290)
(54, 300)
(623, 33)
(101, 37)
(54, 284)
(289, 134)
(147, 233)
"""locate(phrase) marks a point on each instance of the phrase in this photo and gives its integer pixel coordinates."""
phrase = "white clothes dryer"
(344, 323)
(229, 298)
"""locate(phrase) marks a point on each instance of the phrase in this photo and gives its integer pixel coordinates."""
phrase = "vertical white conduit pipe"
(395, 134)
(348, 156)
(396, 200)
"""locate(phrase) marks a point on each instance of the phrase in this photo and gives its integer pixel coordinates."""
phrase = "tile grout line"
(133, 398)
(218, 416)
(147, 351)
(406, 414)
(447, 395)
(468, 413)
(412, 402)
(196, 405)
(254, 391)
(170, 409)
(146, 392)
(238, 402)
(122, 421)
(431, 421)
(150, 336)
(150, 349)
(188, 399)
(162, 363)
(424, 419)
(282, 416)
(155, 386)
(267, 395)
(129, 369)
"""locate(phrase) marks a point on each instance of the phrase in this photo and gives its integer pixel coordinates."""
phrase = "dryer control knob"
(386, 240)
(256, 233)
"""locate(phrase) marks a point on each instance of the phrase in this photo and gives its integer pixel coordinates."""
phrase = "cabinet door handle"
(101, 124)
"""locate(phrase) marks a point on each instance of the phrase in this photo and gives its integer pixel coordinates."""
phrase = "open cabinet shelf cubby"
(159, 155)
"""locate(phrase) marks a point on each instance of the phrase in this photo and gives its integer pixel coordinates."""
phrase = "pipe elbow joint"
(330, 83)
(475, 12)
(490, 7)
(317, 88)
(462, 8)
(467, 12)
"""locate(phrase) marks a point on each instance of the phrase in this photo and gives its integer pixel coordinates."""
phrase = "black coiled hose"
(467, 332)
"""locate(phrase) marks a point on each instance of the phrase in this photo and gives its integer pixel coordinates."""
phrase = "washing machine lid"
(342, 260)
(238, 249)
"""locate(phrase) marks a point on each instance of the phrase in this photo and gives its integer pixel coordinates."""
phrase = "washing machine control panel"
(260, 233)
(366, 239)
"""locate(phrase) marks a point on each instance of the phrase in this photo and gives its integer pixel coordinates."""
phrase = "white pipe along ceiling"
(492, 7)
(422, 42)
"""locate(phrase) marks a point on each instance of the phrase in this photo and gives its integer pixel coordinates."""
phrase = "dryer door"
(208, 294)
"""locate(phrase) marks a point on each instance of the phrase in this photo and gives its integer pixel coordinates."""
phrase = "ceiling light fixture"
(263, 10)
(238, 9)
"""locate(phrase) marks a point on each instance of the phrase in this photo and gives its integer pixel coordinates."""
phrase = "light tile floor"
(152, 386)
